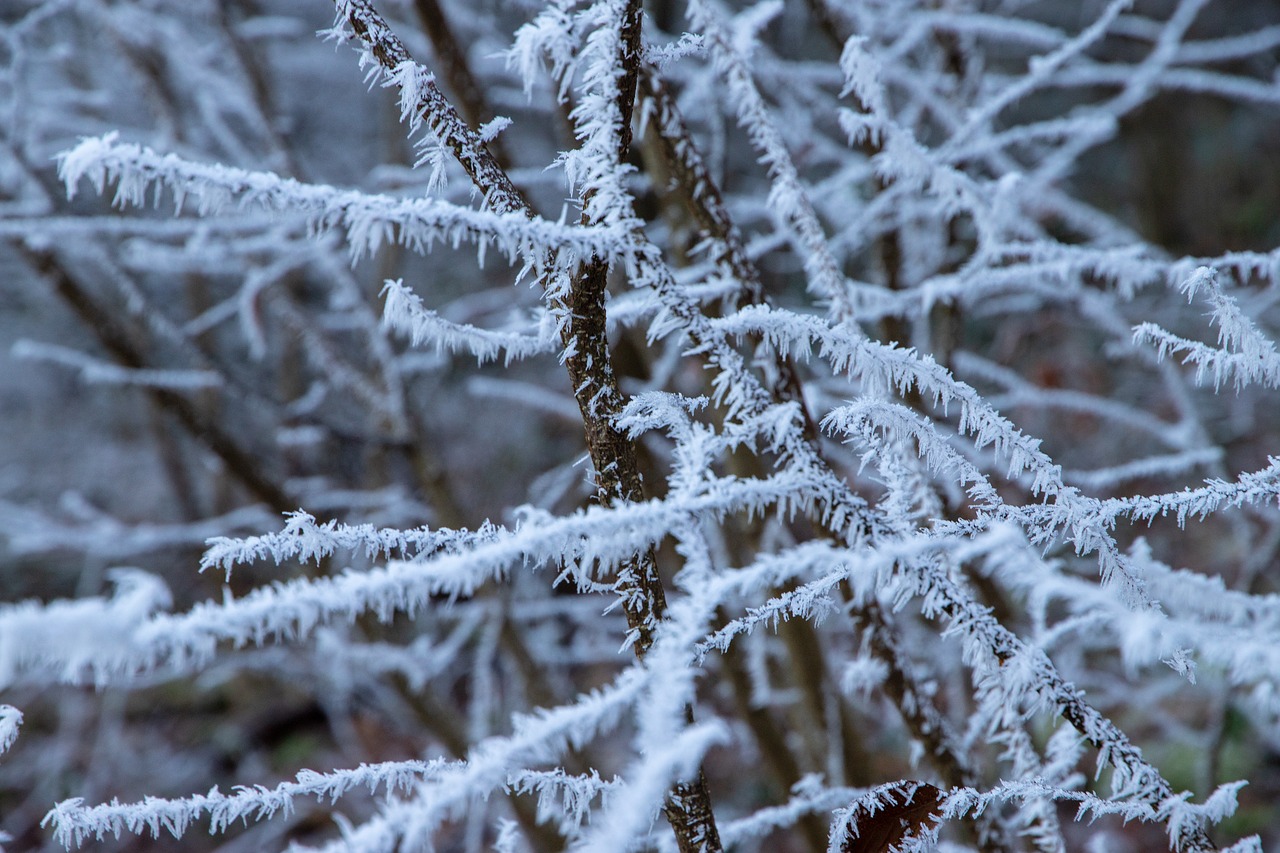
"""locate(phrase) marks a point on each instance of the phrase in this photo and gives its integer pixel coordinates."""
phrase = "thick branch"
(594, 382)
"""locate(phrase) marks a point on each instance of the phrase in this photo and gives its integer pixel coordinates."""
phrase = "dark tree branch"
(589, 366)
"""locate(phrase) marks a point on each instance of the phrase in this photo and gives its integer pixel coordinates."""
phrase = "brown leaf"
(909, 807)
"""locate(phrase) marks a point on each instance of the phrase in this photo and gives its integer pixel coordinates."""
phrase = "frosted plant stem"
(468, 148)
(1115, 746)
(590, 369)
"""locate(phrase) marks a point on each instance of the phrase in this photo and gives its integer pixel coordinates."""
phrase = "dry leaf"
(912, 807)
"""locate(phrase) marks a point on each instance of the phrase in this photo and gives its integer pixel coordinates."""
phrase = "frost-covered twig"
(98, 372)
(10, 720)
(73, 822)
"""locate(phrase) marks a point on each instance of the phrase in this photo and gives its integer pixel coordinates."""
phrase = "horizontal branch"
(119, 638)
(368, 220)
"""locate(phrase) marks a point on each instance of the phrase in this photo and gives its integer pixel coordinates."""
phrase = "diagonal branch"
(704, 200)
(434, 108)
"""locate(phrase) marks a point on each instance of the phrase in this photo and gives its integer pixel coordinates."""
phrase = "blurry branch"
(443, 723)
(249, 469)
(259, 86)
(834, 25)
(243, 464)
(771, 740)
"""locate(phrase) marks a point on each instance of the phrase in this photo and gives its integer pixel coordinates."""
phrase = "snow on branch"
(369, 221)
(117, 639)
(1017, 679)
(1178, 814)
(1250, 488)
(866, 505)
(304, 540)
(633, 807)
(405, 313)
(887, 367)
(422, 104)
(63, 639)
(73, 822)
(1199, 623)
(94, 533)
(563, 797)
(669, 745)
(809, 796)
(10, 721)
(789, 199)
(813, 570)
(904, 808)
(1080, 518)
(493, 764)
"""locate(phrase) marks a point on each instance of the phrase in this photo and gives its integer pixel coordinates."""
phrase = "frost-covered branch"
(1243, 354)
(368, 221)
(94, 371)
(73, 822)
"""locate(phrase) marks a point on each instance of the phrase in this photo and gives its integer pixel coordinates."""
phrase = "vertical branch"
(613, 454)
(588, 362)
